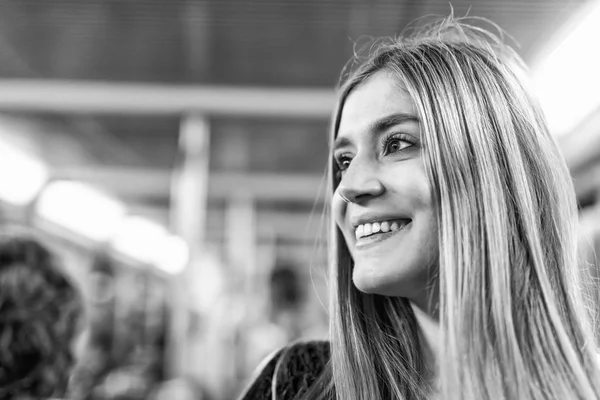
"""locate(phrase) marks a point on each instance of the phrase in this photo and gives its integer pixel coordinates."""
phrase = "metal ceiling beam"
(72, 97)
(307, 227)
(144, 183)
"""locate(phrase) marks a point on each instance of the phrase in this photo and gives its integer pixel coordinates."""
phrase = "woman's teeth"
(377, 227)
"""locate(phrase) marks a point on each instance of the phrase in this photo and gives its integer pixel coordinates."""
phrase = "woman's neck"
(429, 338)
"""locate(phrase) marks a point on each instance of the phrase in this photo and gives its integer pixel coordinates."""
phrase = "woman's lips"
(373, 228)
(377, 237)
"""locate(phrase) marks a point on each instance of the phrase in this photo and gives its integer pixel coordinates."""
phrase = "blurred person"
(40, 318)
(453, 245)
(284, 320)
(287, 300)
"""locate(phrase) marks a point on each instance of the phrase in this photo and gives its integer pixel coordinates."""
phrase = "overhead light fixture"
(148, 242)
(22, 176)
(138, 238)
(80, 208)
(566, 76)
(174, 256)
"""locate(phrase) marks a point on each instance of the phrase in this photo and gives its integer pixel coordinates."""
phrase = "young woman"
(453, 269)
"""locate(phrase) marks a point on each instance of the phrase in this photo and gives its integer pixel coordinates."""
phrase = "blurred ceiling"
(286, 43)
(240, 42)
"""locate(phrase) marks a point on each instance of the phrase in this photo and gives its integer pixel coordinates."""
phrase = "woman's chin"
(374, 281)
(373, 284)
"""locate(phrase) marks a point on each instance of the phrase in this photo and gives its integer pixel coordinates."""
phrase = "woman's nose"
(359, 184)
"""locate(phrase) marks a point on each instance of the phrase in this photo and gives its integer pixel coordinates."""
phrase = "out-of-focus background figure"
(41, 315)
(172, 153)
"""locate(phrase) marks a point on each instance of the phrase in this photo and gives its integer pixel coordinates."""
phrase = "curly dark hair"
(40, 315)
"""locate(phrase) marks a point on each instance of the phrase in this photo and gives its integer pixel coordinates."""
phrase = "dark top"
(298, 367)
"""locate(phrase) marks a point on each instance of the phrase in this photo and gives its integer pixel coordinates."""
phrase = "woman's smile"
(370, 234)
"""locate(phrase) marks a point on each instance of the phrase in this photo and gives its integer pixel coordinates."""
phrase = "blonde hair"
(513, 323)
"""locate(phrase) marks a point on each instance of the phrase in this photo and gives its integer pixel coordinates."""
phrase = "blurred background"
(173, 152)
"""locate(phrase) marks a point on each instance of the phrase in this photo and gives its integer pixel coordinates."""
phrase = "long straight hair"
(513, 322)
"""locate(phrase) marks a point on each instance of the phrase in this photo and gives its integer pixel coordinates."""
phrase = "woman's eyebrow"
(389, 121)
(341, 141)
(379, 126)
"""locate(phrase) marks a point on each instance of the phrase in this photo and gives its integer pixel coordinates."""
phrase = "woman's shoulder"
(306, 356)
(293, 369)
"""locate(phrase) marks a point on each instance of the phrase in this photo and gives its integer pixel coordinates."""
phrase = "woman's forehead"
(379, 97)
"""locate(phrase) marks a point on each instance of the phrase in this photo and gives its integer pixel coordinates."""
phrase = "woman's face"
(388, 222)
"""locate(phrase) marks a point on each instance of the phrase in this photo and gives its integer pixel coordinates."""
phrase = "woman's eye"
(343, 162)
(395, 144)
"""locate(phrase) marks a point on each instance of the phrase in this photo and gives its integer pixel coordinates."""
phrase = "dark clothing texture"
(297, 367)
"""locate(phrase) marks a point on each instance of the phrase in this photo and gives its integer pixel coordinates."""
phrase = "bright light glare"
(174, 256)
(80, 208)
(567, 79)
(21, 175)
(139, 238)
(149, 242)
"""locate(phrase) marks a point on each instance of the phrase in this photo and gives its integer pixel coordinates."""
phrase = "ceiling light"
(81, 209)
(174, 256)
(148, 242)
(22, 176)
(566, 76)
